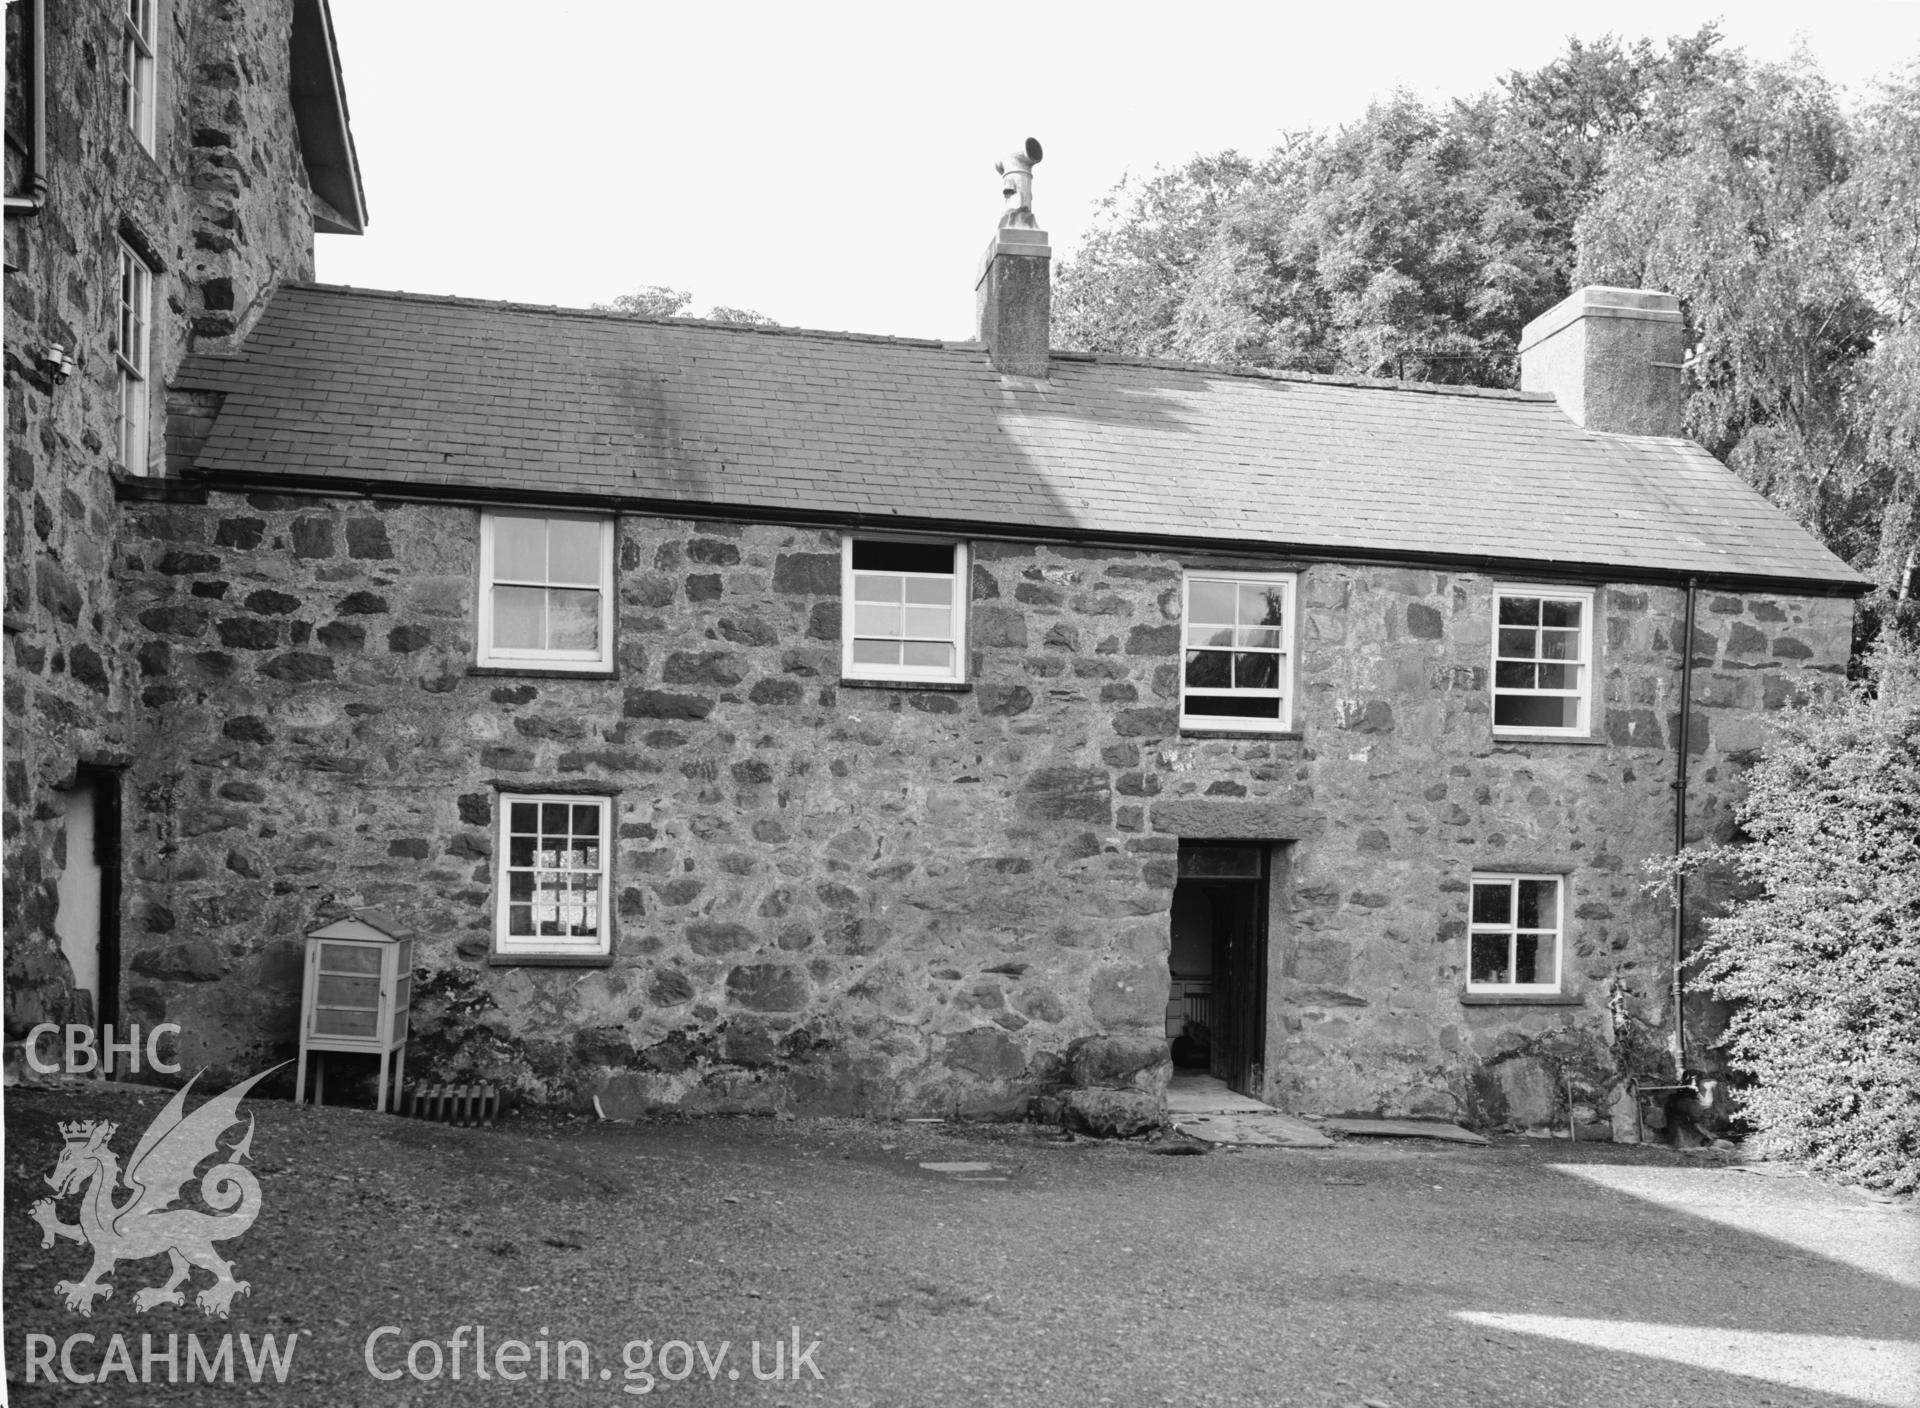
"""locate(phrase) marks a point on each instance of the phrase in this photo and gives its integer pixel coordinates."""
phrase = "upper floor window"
(1238, 637)
(546, 592)
(551, 881)
(137, 36)
(131, 353)
(1515, 934)
(904, 609)
(1542, 660)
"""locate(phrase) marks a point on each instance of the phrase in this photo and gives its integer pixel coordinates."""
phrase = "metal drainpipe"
(1680, 841)
(36, 198)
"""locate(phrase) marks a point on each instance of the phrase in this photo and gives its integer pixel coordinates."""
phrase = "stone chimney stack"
(1611, 357)
(1013, 296)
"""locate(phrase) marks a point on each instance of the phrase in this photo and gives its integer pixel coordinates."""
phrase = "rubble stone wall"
(221, 212)
(893, 900)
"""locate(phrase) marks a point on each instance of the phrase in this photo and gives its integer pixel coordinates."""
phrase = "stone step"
(1406, 1129)
(1261, 1126)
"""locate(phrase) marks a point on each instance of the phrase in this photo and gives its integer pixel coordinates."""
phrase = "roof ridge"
(619, 316)
(1063, 354)
(1364, 383)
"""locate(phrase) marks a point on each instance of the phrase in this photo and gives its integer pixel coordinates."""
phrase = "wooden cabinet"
(359, 986)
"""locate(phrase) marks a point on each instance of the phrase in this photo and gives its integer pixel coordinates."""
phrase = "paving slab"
(1203, 1107)
(1263, 1127)
(1405, 1129)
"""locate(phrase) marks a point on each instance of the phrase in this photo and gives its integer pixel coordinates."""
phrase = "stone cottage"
(768, 719)
(753, 718)
(168, 163)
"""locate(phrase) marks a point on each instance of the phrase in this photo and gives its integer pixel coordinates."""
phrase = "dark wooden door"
(1232, 880)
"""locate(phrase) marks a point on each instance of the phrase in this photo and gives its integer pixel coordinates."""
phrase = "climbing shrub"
(1823, 956)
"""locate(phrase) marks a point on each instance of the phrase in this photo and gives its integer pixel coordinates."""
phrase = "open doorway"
(87, 920)
(1217, 1005)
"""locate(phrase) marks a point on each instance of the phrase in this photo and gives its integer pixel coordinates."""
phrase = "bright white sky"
(830, 163)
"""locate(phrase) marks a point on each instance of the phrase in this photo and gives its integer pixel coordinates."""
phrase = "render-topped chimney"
(1013, 296)
(1611, 357)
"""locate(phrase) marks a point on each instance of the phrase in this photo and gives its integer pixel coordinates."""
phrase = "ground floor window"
(552, 880)
(1515, 934)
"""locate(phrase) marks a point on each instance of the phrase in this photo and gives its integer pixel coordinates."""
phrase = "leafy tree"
(1416, 242)
(1379, 250)
(659, 301)
(654, 301)
(1558, 126)
(1823, 959)
(1125, 291)
(1883, 209)
(1788, 232)
(720, 313)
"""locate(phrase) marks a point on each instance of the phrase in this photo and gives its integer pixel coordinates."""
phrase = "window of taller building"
(131, 352)
(138, 37)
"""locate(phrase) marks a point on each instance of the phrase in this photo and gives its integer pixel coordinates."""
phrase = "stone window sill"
(1586, 741)
(916, 686)
(519, 672)
(1520, 999)
(1290, 735)
(549, 960)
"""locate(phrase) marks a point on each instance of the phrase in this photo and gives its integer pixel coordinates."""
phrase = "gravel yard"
(1019, 1270)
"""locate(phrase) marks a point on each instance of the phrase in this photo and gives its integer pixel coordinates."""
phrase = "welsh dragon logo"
(148, 1223)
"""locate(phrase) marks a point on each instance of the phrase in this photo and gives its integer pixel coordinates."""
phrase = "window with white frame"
(1515, 935)
(1542, 660)
(551, 881)
(137, 40)
(131, 351)
(546, 592)
(903, 610)
(1237, 670)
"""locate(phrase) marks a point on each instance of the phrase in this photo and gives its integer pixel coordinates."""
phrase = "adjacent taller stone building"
(167, 165)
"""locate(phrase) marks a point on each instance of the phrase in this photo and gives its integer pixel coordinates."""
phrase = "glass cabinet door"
(346, 990)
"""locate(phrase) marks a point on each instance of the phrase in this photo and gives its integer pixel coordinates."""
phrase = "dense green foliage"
(659, 301)
(1418, 241)
(1823, 960)
(1791, 231)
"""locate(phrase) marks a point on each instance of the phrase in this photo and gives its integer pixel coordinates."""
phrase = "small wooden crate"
(468, 1106)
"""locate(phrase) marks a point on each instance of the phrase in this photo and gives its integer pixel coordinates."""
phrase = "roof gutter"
(35, 200)
(196, 482)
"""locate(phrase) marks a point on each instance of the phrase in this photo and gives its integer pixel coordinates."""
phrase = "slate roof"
(396, 391)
